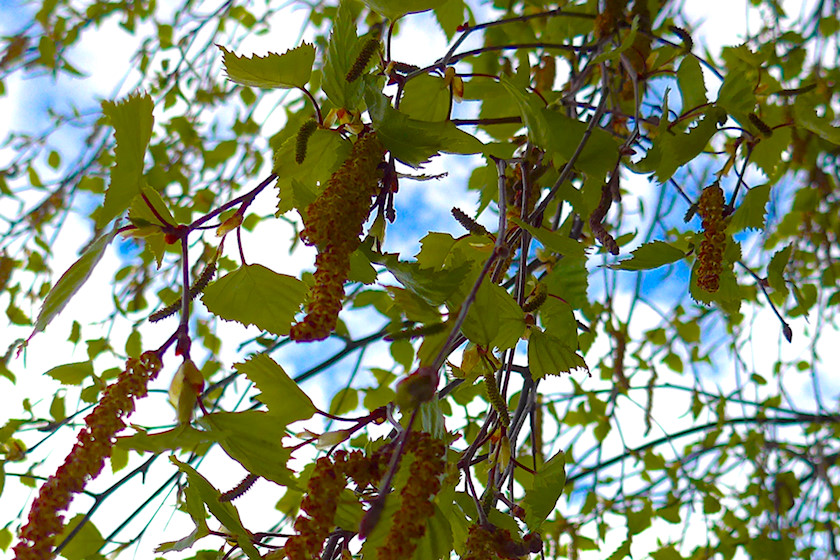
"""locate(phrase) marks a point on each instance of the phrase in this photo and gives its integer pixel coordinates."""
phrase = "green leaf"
(413, 141)
(776, 269)
(804, 109)
(736, 95)
(426, 98)
(255, 295)
(225, 512)
(548, 355)
(342, 49)
(183, 437)
(650, 255)
(284, 399)
(547, 487)
(300, 183)
(494, 319)
(71, 374)
(85, 544)
(682, 147)
(253, 439)
(132, 121)
(433, 285)
(691, 83)
(5, 534)
(750, 213)
(70, 282)
(395, 10)
(288, 70)
(450, 15)
(560, 135)
(553, 240)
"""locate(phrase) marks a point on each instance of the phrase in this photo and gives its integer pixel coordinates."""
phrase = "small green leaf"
(650, 255)
(553, 240)
(278, 391)
(806, 116)
(132, 121)
(183, 437)
(255, 295)
(300, 183)
(548, 355)
(288, 70)
(691, 83)
(342, 49)
(426, 98)
(626, 43)
(5, 534)
(225, 512)
(546, 489)
(71, 374)
(736, 95)
(494, 319)
(85, 544)
(395, 10)
(682, 147)
(413, 141)
(776, 269)
(70, 282)
(253, 439)
(750, 213)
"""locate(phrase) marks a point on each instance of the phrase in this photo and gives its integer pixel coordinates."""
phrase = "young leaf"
(255, 295)
(494, 319)
(225, 512)
(85, 543)
(650, 255)
(253, 439)
(750, 213)
(342, 49)
(776, 269)
(70, 282)
(546, 489)
(288, 70)
(548, 355)
(279, 392)
(426, 98)
(691, 83)
(71, 374)
(412, 141)
(132, 121)
(806, 116)
(553, 240)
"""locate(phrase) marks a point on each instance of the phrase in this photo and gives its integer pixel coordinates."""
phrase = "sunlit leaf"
(182, 437)
(255, 295)
(278, 391)
(548, 355)
(132, 121)
(70, 282)
(553, 240)
(546, 489)
(750, 213)
(253, 439)
(650, 255)
(85, 543)
(413, 141)
(691, 83)
(426, 98)
(225, 512)
(71, 374)
(776, 269)
(287, 70)
(342, 49)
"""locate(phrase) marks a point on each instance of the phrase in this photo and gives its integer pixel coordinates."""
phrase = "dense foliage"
(616, 335)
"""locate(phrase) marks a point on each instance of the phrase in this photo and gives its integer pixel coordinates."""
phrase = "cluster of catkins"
(333, 224)
(488, 542)
(416, 505)
(323, 490)
(710, 260)
(86, 459)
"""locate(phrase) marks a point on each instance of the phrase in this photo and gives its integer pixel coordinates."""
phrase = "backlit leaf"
(691, 83)
(278, 391)
(71, 374)
(85, 543)
(255, 295)
(253, 439)
(413, 141)
(750, 213)
(650, 255)
(70, 282)
(132, 121)
(287, 70)
(225, 512)
(553, 240)
(546, 489)
(548, 355)
(342, 49)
